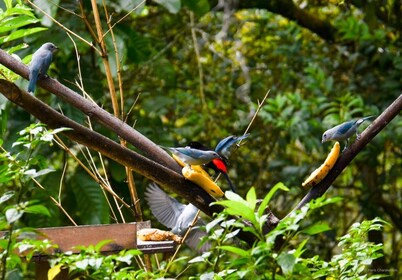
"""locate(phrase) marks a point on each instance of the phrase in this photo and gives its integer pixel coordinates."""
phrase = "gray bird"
(344, 131)
(176, 216)
(192, 156)
(40, 63)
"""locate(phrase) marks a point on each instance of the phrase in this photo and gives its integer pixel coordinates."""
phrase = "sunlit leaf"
(268, 197)
(286, 262)
(54, 271)
(13, 215)
(6, 196)
(37, 209)
(317, 228)
(236, 250)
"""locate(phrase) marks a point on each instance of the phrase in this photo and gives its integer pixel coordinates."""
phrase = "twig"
(104, 56)
(183, 239)
(198, 57)
(63, 27)
(57, 203)
(260, 104)
(60, 143)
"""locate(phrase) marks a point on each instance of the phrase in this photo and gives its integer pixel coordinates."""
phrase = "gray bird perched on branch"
(40, 63)
(176, 216)
(192, 156)
(344, 131)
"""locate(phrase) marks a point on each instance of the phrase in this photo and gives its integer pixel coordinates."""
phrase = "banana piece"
(199, 176)
(203, 180)
(323, 170)
(154, 234)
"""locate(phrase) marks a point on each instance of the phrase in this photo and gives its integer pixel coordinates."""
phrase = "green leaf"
(322, 201)
(286, 262)
(251, 198)
(37, 209)
(12, 23)
(234, 197)
(269, 196)
(299, 251)
(102, 243)
(172, 6)
(9, 4)
(18, 34)
(316, 228)
(236, 250)
(238, 208)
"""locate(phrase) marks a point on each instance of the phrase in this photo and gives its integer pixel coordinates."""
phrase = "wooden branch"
(162, 175)
(346, 157)
(165, 172)
(96, 113)
(289, 10)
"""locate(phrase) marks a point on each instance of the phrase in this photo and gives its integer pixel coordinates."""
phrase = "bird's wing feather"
(165, 208)
(224, 143)
(343, 128)
(194, 238)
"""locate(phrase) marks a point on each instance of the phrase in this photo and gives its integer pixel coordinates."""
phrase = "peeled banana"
(199, 176)
(203, 180)
(317, 175)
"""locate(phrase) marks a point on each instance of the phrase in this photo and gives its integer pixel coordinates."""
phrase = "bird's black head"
(198, 146)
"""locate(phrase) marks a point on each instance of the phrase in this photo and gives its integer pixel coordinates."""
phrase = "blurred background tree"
(195, 70)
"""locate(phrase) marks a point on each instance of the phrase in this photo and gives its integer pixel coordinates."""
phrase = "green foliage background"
(314, 84)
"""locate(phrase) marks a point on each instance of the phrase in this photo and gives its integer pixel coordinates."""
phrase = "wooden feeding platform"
(122, 237)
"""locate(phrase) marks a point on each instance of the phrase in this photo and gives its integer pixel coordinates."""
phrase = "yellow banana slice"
(202, 179)
(317, 175)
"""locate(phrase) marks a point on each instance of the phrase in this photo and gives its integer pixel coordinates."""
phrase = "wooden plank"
(122, 236)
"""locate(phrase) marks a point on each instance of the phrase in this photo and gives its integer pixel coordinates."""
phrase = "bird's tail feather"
(232, 187)
(32, 82)
(360, 121)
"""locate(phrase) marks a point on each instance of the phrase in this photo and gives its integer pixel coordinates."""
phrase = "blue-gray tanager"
(344, 131)
(192, 156)
(176, 216)
(40, 63)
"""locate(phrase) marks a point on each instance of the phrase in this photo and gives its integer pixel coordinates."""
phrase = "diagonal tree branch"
(165, 170)
(156, 172)
(162, 175)
(346, 157)
(96, 113)
(289, 10)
